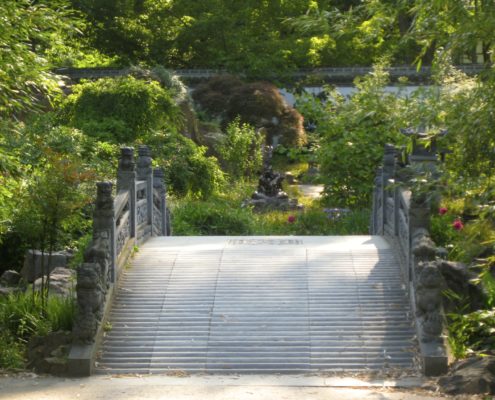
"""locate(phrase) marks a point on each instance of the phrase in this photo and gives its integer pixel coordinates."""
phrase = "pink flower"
(457, 225)
(442, 210)
(291, 219)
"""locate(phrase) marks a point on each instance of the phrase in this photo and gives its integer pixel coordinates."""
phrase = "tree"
(458, 26)
(28, 31)
(46, 204)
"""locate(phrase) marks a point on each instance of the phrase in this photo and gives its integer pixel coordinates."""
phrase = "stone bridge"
(271, 304)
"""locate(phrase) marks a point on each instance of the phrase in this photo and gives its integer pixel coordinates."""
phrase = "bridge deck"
(260, 304)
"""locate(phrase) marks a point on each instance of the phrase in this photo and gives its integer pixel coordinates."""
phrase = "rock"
(423, 247)
(32, 263)
(6, 291)
(290, 178)
(10, 278)
(48, 354)
(458, 278)
(475, 375)
(61, 282)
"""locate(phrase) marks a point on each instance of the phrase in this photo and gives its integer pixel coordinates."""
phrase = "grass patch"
(223, 214)
(22, 316)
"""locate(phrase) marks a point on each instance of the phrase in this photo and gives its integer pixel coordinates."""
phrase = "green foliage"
(472, 333)
(470, 120)
(353, 133)
(312, 221)
(259, 104)
(187, 168)
(120, 110)
(11, 352)
(28, 31)
(217, 216)
(223, 214)
(240, 150)
(47, 208)
(456, 26)
(23, 315)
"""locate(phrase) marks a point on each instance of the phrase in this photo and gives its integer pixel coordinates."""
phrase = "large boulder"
(459, 278)
(62, 282)
(7, 291)
(32, 268)
(48, 354)
(10, 278)
(474, 375)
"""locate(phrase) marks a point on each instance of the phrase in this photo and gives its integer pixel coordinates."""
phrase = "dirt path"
(311, 191)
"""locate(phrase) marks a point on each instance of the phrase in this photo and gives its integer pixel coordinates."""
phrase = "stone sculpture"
(270, 194)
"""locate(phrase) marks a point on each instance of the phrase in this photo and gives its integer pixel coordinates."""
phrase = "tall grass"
(22, 316)
(223, 214)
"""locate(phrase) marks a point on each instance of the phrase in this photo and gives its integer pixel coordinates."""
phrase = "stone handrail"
(404, 220)
(138, 211)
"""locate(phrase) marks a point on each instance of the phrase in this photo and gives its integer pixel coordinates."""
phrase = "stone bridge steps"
(260, 304)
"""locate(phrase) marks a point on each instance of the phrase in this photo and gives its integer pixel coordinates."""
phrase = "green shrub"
(187, 168)
(11, 352)
(353, 133)
(120, 110)
(21, 315)
(240, 150)
(472, 333)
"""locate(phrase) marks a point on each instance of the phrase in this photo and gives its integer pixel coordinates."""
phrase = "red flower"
(457, 225)
(442, 210)
(291, 219)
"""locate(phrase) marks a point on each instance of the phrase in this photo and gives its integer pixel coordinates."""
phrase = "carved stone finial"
(103, 191)
(389, 156)
(423, 247)
(144, 152)
(126, 161)
(144, 162)
(104, 207)
(158, 178)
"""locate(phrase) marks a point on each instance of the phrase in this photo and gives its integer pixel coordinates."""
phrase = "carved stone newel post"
(159, 186)
(126, 180)
(145, 173)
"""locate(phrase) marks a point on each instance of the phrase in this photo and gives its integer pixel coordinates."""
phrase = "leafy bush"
(11, 352)
(353, 133)
(120, 110)
(240, 150)
(187, 168)
(472, 333)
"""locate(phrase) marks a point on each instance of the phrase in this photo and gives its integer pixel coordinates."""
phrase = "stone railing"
(137, 211)
(403, 219)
